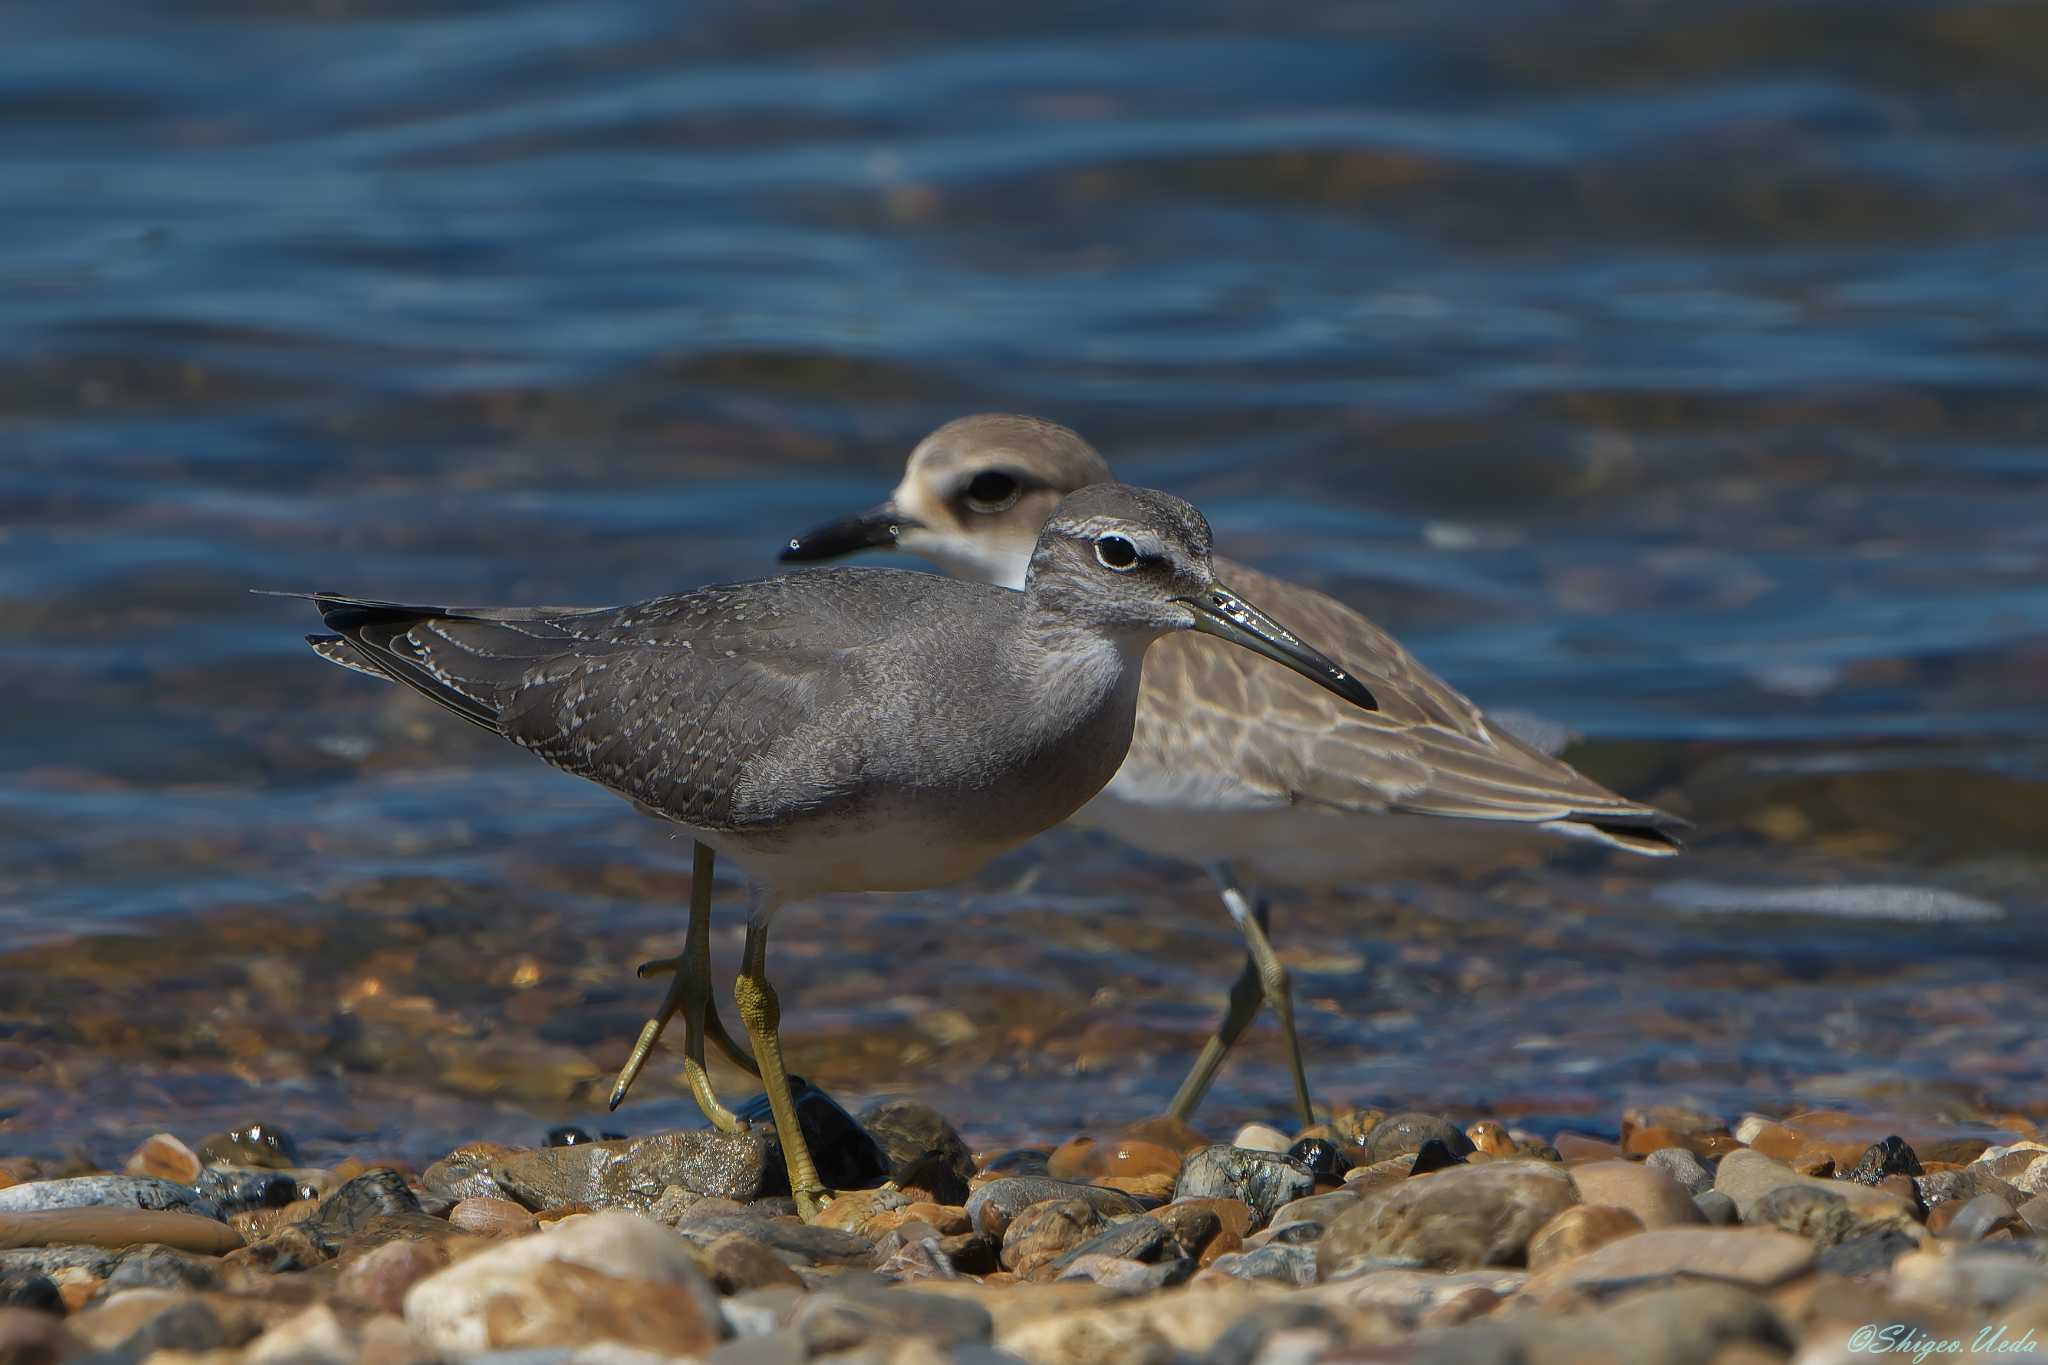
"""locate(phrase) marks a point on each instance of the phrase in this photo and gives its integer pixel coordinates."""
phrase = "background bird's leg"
(690, 991)
(1264, 978)
(761, 1012)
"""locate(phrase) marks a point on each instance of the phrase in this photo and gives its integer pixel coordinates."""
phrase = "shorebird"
(841, 729)
(1235, 765)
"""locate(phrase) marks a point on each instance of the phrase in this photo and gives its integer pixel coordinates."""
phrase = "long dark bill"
(1222, 613)
(874, 529)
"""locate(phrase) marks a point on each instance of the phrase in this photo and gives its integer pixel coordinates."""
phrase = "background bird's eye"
(993, 491)
(1114, 552)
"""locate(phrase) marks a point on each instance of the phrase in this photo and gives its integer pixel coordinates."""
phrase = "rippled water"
(1671, 372)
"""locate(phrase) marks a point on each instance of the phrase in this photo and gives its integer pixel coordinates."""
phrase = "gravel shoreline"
(1371, 1236)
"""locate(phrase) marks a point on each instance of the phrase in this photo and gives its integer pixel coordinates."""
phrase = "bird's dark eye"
(992, 490)
(1114, 552)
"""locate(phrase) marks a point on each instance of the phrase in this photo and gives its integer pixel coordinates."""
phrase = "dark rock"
(1045, 1231)
(1324, 1159)
(1264, 1180)
(972, 1253)
(1244, 1341)
(846, 1157)
(848, 1319)
(1683, 1166)
(1820, 1217)
(568, 1135)
(1276, 1262)
(737, 1262)
(1463, 1218)
(244, 1189)
(98, 1262)
(712, 1218)
(1870, 1254)
(1019, 1161)
(1718, 1208)
(373, 1194)
(1134, 1239)
(1129, 1277)
(465, 1173)
(116, 1191)
(156, 1267)
(1191, 1227)
(1889, 1157)
(1968, 1183)
(30, 1289)
(1433, 1156)
(920, 1148)
(1400, 1134)
(634, 1173)
(990, 1208)
(253, 1144)
(186, 1326)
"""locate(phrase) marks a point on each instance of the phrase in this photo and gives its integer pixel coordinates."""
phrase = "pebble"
(1117, 1156)
(1889, 1157)
(1123, 1276)
(31, 1337)
(488, 1217)
(253, 1144)
(1974, 1280)
(633, 1173)
(1039, 1235)
(1404, 1134)
(29, 1289)
(1717, 1209)
(1325, 1159)
(1577, 1230)
(1759, 1257)
(1462, 1218)
(116, 1227)
(1980, 1218)
(1656, 1199)
(1264, 1180)
(816, 1244)
(246, 1189)
(737, 1262)
(1869, 1253)
(1683, 1166)
(920, 1149)
(165, 1157)
(1276, 1263)
(848, 1319)
(1821, 1216)
(381, 1277)
(113, 1191)
(1261, 1137)
(1971, 1182)
(991, 1207)
(1318, 1209)
(1746, 1177)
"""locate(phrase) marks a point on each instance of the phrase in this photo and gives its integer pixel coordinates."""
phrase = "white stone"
(1261, 1137)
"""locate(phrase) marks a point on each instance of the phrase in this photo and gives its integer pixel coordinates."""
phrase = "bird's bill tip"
(1222, 613)
(875, 529)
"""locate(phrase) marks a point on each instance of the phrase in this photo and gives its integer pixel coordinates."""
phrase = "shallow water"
(1671, 373)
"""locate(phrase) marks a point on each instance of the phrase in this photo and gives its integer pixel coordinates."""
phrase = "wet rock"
(465, 1173)
(632, 1174)
(1891, 1156)
(1363, 1180)
(1143, 1239)
(1018, 1161)
(2026, 1171)
(1434, 1156)
(1411, 1297)
(1264, 1180)
(116, 1227)
(737, 1263)
(111, 1191)
(1465, 1217)
(1578, 1230)
(846, 1156)
(381, 1277)
(1324, 1159)
(1980, 1218)
(1747, 1176)
(568, 1135)
(854, 1209)
(920, 1149)
(1758, 1257)
(487, 1217)
(2034, 1213)
(711, 1219)
(1661, 1128)
(1404, 1134)
(314, 1336)
(991, 1207)
(160, 1267)
(253, 1144)
(30, 1289)
(1684, 1167)
(1122, 1276)
(1573, 1148)
(1717, 1209)
(1260, 1137)
(1113, 1157)
(1191, 1227)
(972, 1253)
(30, 1337)
(1820, 1216)
(1942, 1187)
(164, 1157)
(846, 1320)
(1689, 1324)
(1652, 1196)
(245, 1189)
(907, 1260)
(374, 1194)
(1044, 1232)
(1274, 1263)
(1318, 1210)
(1871, 1253)
(604, 1277)
(1490, 1138)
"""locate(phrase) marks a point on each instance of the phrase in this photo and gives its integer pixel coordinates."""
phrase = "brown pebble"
(558, 1212)
(489, 1217)
(114, 1227)
(1157, 1187)
(77, 1288)
(1578, 1230)
(1222, 1244)
(1046, 1230)
(1178, 1134)
(947, 1220)
(1574, 1147)
(737, 1262)
(380, 1277)
(29, 1337)
(1190, 1225)
(164, 1157)
(1117, 1155)
(1488, 1136)
(1233, 1214)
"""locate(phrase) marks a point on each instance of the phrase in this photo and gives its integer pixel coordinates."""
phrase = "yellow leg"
(691, 992)
(1264, 978)
(761, 1012)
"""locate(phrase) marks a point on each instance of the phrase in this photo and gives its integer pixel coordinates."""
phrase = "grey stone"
(462, 1175)
(1871, 1253)
(1758, 1257)
(1134, 1239)
(920, 1148)
(116, 1191)
(1461, 1218)
(95, 1261)
(990, 1208)
(783, 1346)
(1264, 1180)
(1404, 1134)
(1683, 1166)
(186, 1326)
(1124, 1276)
(1981, 1217)
(1718, 1209)
(158, 1267)
(1315, 1208)
(1044, 1232)
(1970, 1182)
(1276, 1262)
(632, 1173)
(373, 1194)
(1746, 1176)
(844, 1320)
(713, 1218)
(1982, 1279)
(244, 1189)
(1820, 1216)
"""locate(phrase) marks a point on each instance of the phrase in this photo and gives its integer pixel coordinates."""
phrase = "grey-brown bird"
(1235, 765)
(837, 730)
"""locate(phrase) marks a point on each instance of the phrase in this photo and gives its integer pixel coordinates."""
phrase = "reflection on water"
(1672, 375)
